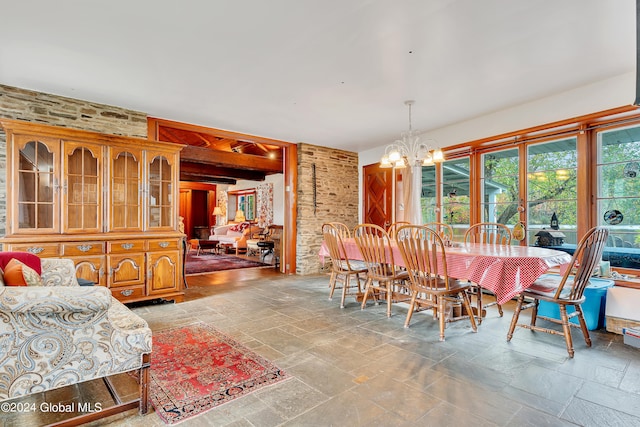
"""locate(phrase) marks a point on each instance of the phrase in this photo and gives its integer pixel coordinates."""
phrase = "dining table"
(505, 270)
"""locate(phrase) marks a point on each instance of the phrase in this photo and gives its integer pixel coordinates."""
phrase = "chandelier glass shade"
(409, 150)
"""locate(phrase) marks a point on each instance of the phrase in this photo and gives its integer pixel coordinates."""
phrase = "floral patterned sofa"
(61, 333)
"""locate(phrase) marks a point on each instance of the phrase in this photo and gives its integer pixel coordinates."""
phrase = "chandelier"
(409, 150)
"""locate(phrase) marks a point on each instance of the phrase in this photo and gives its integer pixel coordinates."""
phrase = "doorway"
(197, 201)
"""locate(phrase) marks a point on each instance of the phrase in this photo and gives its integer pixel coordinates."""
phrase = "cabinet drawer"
(83, 248)
(45, 250)
(162, 245)
(128, 293)
(125, 246)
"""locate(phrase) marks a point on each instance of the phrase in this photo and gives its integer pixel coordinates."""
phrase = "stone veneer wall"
(336, 199)
(31, 106)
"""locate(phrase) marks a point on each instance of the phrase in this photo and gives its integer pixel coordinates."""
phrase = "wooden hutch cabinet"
(107, 202)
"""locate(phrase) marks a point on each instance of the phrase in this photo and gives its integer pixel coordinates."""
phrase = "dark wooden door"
(378, 184)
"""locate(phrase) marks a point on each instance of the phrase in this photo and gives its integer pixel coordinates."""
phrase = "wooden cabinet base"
(144, 266)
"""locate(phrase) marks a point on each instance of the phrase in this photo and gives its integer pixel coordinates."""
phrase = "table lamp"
(239, 216)
(217, 212)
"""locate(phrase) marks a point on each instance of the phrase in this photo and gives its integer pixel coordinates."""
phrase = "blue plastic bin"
(593, 306)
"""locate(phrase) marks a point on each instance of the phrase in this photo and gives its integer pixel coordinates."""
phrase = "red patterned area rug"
(208, 263)
(196, 368)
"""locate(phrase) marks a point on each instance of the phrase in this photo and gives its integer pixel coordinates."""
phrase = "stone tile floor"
(352, 367)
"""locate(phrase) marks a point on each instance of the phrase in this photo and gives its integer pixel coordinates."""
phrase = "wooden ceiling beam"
(186, 177)
(246, 162)
(207, 170)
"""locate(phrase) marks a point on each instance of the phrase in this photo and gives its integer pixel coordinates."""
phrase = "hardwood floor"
(227, 277)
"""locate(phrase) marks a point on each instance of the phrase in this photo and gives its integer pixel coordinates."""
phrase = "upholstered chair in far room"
(491, 233)
(55, 333)
(566, 290)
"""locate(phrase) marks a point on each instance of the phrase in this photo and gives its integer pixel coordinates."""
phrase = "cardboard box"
(631, 337)
(622, 309)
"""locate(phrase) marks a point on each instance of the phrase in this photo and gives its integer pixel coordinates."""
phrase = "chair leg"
(345, 285)
(583, 325)
(441, 318)
(412, 307)
(479, 303)
(566, 329)
(332, 283)
(358, 279)
(143, 378)
(514, 319)
(389, 295)
(367, 287)
(534, 312)
(467, 306)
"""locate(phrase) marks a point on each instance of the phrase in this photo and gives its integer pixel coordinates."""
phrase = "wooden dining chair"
(423, 252)
(343, 229)
(564, 290)
(391, 230)
(384, 277)
(491, 233)
(444, 230)
(342, 268)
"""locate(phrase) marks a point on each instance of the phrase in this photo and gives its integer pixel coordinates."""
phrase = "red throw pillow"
(240, 227)
(17, 273)
(29, 259)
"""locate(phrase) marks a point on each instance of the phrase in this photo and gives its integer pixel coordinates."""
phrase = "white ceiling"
(325, 72)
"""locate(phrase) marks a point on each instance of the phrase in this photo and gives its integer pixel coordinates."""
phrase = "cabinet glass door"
(125, 192)
(37, 187)
(82, 190)
(159, 200)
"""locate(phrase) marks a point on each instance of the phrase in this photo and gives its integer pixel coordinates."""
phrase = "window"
(456, 210)
(500, 187)
(552, 187)
(618, 195)
(428, 198)
(242, 200)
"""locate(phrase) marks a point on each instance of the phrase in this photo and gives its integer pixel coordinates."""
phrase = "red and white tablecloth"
(504, 270)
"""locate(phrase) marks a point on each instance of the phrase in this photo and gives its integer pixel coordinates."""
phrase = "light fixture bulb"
(428, 160)
(399, 164)
(385, 163)
(437, 155)
(394, 156)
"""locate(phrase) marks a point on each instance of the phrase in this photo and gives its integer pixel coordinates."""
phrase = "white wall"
(278, 193)
(599, 96)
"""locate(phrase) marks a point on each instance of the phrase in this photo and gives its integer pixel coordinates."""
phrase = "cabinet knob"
(35, 249)
(84, 248)
(127, 246)
(126, 292)
(163, 244)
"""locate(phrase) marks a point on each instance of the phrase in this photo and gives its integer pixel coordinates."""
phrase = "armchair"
(61, 334)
